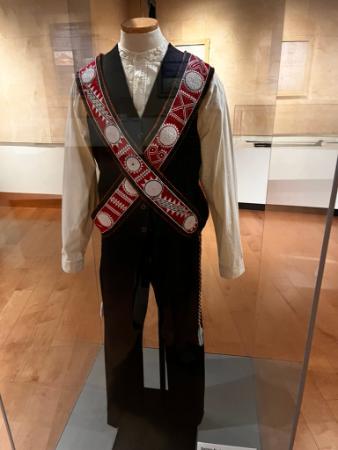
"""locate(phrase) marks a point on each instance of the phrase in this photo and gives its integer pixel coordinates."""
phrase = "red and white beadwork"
(112, 134)
(190, 222)
(88, 75)
(194, 80)
(133, 164)
(139, 168)
(153, 188)
(182, 107)
(168, 135)
(104, 219)
(128, 187)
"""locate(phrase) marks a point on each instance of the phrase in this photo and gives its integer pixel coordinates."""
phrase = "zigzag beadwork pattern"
(169, 205)
(147, 181)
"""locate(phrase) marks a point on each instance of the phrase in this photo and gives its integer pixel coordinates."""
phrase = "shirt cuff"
(233, 272)
(69, 266)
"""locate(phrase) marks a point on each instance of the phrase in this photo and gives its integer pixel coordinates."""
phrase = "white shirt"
(217, 172)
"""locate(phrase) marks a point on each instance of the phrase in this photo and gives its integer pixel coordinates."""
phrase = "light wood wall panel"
(106, 18)
(34, 92)
(314, 113)
(244, 48)
(245, 41)
(31, 108)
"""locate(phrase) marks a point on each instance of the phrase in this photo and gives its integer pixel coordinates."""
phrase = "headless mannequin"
(160, 413)
(124, 367)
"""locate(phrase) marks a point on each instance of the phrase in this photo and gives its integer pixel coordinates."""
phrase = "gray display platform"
(233, 415)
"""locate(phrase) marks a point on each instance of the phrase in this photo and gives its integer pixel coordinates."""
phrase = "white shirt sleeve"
(79, 195)
(218, 177)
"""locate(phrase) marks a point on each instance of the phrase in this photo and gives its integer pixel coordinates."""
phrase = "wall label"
(208, 446)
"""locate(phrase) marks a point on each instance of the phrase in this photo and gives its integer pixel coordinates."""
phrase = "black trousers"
(134, 256)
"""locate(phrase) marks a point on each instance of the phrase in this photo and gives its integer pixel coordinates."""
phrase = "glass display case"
(6, 437)
(259, 327)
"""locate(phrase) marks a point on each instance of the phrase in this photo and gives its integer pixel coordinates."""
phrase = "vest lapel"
(141, 130)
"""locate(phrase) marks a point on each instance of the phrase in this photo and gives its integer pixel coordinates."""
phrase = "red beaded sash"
(142, 176)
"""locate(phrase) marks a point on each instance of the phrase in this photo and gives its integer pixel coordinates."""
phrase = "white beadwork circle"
(153, 188)
(190, 222)
(193, 80)
(104, 219)
(168, 135)
(88, 75)
(112, 134)
(133, 164)
(129, 188)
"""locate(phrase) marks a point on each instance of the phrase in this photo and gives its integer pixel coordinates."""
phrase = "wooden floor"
(50, 330)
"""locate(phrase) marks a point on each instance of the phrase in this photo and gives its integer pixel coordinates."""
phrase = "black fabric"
(152, 8)
(173, 269)
(154, 430)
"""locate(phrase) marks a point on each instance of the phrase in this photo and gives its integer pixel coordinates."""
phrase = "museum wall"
(35, 78)
(244, 48)
(28, 87)
(316, 113)
(106, 17)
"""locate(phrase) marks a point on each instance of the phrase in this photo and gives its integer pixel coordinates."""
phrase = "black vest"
(182, 166)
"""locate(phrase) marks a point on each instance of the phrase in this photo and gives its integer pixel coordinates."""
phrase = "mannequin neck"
(141, 42)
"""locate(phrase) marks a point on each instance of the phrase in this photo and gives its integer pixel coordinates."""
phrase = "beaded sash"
(142, 175)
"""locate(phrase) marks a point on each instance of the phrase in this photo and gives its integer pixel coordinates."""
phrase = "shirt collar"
(152, 54)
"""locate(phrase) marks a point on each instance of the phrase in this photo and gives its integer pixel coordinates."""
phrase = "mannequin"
(139, 25)
(176, 126)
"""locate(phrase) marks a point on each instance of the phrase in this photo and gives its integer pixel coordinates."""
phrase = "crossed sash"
(142, 175)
